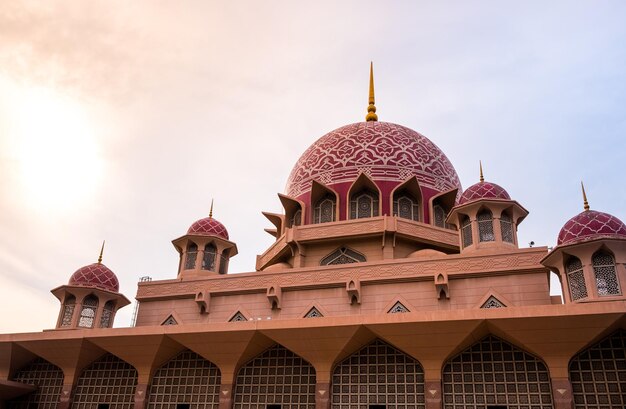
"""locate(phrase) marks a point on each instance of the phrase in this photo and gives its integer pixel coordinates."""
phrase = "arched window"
(343, 255)
(506, 227)
(209, 257)
(485, 226)
(192, 251)
(439, 216)
(224, 261)
(364, 204)
(604, 270)
(88, 312)
(296, 219)
(324, 211)
(68, 311)
(405, 206)
(576, 279)
(466, 230)
(107, 315)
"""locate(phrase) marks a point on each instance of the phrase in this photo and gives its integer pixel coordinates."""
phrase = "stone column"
(65, 400)
(141, 396)
(432, 393)
(562, 397)
(226, 396)
(322, 395)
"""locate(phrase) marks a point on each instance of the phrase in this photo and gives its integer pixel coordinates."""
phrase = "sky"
(122, 120)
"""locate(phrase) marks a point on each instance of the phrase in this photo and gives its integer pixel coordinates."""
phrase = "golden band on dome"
(371, 109)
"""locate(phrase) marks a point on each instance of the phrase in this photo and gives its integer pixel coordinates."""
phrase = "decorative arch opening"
(276, 377)
(493, 372)
(575, 278)
(109, 381)
(441, 206)
(598, 374)
(506, 228)
(378, 374)
(343, 255)
(324, 204)
(294, 210)
(106, 320)
(406, 200)
(466, 231)
(48, 379)
(364, 198)
(68, 311)
(607, 283)
(209, 257)
(192, 252)
(485, 226)
(187, 378)
(224, 258)
(296, 218)
(88, 311)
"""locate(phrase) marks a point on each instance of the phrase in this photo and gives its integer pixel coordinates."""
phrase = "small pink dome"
(208, 227)
(96, 275)
(484, 190)
(590, 225)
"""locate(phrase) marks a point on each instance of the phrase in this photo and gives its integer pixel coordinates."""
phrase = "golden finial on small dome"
(480, 164)
(211, 210)
(585, 202)
(371, 109)
(101, 251)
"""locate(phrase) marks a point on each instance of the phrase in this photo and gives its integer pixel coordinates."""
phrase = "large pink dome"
(384, 151)
(208, 227)
(484, 190)
(590, 225)
(96, 275)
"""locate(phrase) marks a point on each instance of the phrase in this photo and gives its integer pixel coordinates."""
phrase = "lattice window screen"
(492, 302)
(576, 279)
(109, 380)
(107, 315)
(49, 381)
(485, 226)
(343, 255)
(506, 227)
(598, 374)
(277, 376)
(88, 312)
(398, 307)
(170, 321)
(68, 311)
(406, 207)
(440, 216)
(187, 378)
(209, 257)
(238, 317)
(325, 209)
(493, 372)
(313, 313)
(378, 374)
(296, 220)
(606, 277)
(466, 230)
(364, 204)
(192, 252)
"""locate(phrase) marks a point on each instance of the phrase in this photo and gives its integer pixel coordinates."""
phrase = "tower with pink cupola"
(90, 299)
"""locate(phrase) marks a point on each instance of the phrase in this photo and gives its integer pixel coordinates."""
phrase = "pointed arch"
(67, 313)
(209, 257)
(406, 200)
(294, 210)
(605, 273)
(106, 319)
(506, 227)
(485, 225)
(276, 376)
(190, 255)
(466, 231)
(575, 278)
(440, 207)
(494, 372)
(47, 377)
(324, 203)
(364, 198)
(378, 374)
(184, 379)
(108, 380)
(88, 311)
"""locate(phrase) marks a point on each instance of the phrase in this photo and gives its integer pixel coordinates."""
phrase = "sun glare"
(56, 149)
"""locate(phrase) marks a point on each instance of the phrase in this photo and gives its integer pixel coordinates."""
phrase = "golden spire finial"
(480, 163)
(585, 202)
(211, 211)
(371, 109)
(101, 251)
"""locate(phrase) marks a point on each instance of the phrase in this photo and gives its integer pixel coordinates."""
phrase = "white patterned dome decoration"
(382, 150)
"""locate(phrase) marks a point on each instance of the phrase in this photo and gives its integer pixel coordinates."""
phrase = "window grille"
(606, 277)
(68, 311)
(49, 381)
(364, 204)
(88, 312)
(598, 374)
(343, 255)
(506, 227)
(107, 315)
(485, 226)
(170, 321)
(238, 317)
(324, 211)
(277, 376)
(208, 259)
(439, 216)
(186, 379)
(576, 279)
(492, 302)
(109, 380)
(192, 251)
(494, 372)
(398, 307)
(378, 374)
(406, 207)
(296, 219)
(313, 313)
(224, 261)
(466, 230)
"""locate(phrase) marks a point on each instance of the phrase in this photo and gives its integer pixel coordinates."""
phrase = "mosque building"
(387, 286)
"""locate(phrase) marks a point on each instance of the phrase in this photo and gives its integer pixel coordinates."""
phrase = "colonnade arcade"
(489, 373)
